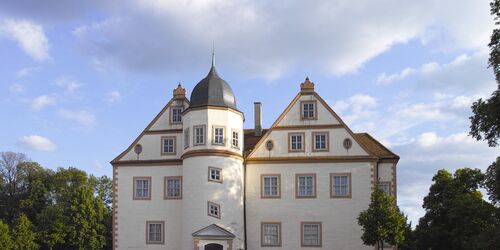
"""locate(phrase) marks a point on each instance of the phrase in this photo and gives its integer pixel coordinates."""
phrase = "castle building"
(195, 179)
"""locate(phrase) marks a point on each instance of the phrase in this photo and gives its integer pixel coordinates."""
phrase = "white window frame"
(213, 173)
(176, 114)
(270, 234)
(171, 145)
(219, 133)
(213, 210)
(273, 190)
(305, 189)
(141, 191)
(161, 234)
(294, 142)
(338, 185)
(173, 192)
(235, 139)
(323, 143)
(199, 138)
(305, 234)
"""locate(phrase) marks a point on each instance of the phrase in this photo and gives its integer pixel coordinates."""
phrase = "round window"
(269, 145)
(138, 149)
(347, 143)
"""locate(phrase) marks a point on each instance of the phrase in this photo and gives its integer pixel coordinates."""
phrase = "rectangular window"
(218, 136)
(199, 135)
(308, 110)
(213, 210)
(340, 185)
(305, 186)
(167, 145)
(296, 142)
(155, 232)
(311, 234)
(320, 141)
(385, 186)
(270, 234)
(176, 115)
(186, 138)
(235, 139)
(142, 188)
(215, 174)
(173, 187)
(270, 186)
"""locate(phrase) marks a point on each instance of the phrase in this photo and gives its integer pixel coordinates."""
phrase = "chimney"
(258, 118)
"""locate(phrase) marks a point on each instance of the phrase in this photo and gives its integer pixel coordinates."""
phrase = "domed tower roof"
(212, 91)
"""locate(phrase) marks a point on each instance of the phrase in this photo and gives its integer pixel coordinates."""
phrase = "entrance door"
(213, 246)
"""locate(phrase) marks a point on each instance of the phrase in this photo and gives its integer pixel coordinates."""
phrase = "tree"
(9, 199)
(382, 221)
(492, 181)
(51, 225)
(23, 235)
(456, 215)
(5, 240)
(485, 121)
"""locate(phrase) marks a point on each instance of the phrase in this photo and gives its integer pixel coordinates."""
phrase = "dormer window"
(308, 110)
(199, 135)
(218, 135)
(176, 115)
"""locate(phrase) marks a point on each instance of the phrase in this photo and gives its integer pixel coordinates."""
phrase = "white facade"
(239, 209)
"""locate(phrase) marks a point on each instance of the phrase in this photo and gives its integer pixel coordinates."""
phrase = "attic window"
(269, 145)
(347, 143)
(176, 116)
(308, 110)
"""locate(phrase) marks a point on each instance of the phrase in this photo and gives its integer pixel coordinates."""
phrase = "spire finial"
(213, 54)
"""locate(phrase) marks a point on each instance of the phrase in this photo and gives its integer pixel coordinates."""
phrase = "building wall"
(293, 116)
(338, 215)
(132, 214)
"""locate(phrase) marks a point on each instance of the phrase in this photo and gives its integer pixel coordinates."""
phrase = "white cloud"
(42, 101)
(387, 79)
(81, 117)
(16, 88)
(37, 143)
(69, 84)
(342, 36)
(26, 71)
(114, 96)
(428, 152)
(29, 36)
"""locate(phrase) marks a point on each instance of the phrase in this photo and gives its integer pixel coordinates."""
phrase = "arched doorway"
(213, 246)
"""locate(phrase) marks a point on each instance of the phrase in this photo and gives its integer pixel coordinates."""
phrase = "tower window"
(199, 135)
(176, 115)
(235, 139)
(218, 136)
(213, 209)
(186, 138)
(215, 174)
(308, 110)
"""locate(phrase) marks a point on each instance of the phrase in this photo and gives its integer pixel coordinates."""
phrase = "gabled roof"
(213, 231)
(251, 140)
(375, 147)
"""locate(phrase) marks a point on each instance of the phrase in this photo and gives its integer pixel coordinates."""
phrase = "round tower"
(212, 216)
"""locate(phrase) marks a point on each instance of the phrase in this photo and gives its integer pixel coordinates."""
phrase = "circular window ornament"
(347, 143)
(138, 149)
(269, 145)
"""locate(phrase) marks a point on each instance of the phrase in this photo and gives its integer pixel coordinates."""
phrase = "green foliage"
(382, 221)
(69, 209)
(485, 121)
(23, 235)
(456, 215)
(492, 181)
(5, 240)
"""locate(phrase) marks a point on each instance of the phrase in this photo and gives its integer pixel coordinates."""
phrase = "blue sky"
(80, 80)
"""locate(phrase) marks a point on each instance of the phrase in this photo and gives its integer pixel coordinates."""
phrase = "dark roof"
(251, 140)
(214, 91)
(375, 147)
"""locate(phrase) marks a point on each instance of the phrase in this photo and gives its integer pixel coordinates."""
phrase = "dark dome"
(214, 91)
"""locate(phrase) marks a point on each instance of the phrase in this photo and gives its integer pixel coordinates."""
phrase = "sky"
(81, 79)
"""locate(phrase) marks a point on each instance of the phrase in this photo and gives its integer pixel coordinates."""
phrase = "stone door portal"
(213, 246)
